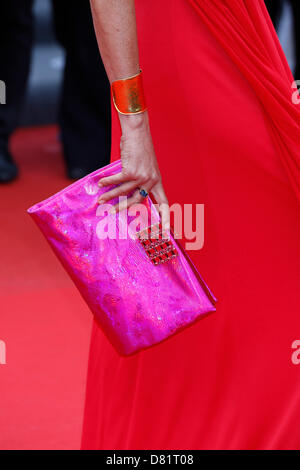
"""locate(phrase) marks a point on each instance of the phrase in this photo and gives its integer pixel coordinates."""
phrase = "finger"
(163, 205)
(136, 198)
(113, 179)
(121, 190)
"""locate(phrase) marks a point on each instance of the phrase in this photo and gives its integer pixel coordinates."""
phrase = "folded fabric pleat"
(240, 27)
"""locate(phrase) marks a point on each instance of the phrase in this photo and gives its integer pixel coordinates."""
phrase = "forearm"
(115, 26)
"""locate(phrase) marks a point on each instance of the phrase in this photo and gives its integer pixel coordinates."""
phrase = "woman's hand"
(139, 168)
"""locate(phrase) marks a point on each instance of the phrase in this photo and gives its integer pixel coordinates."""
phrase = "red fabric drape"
(226, 134)
(245, 31)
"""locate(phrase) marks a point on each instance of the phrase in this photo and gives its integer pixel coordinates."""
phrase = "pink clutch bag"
(141, 290)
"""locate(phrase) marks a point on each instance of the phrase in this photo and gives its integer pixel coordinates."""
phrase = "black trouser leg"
(85, 116)
(296, 12)
(275, 10)
(16, 34)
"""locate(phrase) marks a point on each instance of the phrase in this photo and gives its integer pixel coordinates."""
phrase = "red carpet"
(44, 322)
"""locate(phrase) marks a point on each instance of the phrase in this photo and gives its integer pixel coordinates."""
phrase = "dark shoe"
(76, 172)
(8, 168)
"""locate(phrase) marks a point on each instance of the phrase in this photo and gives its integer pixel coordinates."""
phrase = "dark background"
(41, 105)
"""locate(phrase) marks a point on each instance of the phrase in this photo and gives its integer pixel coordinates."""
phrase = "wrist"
(133, 122)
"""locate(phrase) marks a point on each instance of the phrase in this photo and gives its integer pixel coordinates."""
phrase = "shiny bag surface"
(139, 294)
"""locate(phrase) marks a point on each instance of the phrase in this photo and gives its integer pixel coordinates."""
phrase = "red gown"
(226, 133)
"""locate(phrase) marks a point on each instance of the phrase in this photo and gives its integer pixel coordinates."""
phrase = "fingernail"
(100, 201)
(99, 183)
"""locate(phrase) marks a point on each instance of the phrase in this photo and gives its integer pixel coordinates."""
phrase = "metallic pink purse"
(141, 289)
